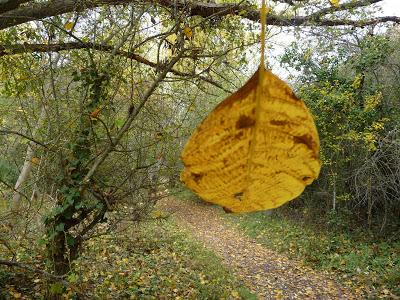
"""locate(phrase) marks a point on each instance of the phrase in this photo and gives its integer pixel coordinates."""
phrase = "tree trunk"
(23, 176)
(27, 167)
(61, 264)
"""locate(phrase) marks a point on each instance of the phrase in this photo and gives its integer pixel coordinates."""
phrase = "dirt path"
(265, 273)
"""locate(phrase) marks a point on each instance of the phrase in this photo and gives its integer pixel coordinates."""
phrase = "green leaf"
(70, 240)
(60, 227)
(72, 278)
(56, 288)
(119, 122)
(43, 242)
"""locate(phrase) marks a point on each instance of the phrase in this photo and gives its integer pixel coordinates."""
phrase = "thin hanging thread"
(258, 96)
(263, 19)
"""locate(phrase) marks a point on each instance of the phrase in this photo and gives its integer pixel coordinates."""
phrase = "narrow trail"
(266, 273)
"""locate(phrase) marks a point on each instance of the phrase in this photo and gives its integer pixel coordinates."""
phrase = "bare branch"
(15, 190)
(38, 11)
(342, 7)
(4, 131)
(101, 158)
(42, 48)
(8, 5)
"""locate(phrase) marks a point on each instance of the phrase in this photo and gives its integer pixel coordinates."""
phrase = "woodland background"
(97, 99)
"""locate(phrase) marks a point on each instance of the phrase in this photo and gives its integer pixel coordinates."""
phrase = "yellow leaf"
(256, 150)
(372, 101)
(188, 32)
(68, 26)
(335, 3)
(157, 214)
(95, 113)
(192, 107)
(16, 295)
(140, 281)
(35, 160)
(278, 294)
(172, 38)
(235, 294)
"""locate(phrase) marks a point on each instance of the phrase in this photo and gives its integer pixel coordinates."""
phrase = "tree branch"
(32, 269)
(342, 7)
(38, 11)
(12, 188)
(43, 48)
(4, 131)
(104, 154)
(8, 5)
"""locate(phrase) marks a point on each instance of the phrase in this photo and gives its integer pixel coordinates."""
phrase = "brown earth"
(266, 273)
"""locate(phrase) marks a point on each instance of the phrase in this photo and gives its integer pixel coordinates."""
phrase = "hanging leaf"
(256, 150)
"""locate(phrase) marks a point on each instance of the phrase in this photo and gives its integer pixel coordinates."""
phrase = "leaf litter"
(266, 273)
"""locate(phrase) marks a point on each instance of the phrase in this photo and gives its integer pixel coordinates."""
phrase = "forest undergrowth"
(153, 260)
(358, 258)
(362, 259)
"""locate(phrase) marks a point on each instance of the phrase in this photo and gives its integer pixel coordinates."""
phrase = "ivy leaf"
(70, 240)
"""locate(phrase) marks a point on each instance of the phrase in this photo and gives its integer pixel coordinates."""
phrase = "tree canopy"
(98, 97)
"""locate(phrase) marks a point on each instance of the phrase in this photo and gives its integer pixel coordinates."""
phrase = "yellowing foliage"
(357, 81)
(256, 150)
(335, 3)
(371, 102)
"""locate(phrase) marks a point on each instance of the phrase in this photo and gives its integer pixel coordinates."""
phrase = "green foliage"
(183, 193)
(56, 288)
(354, 99)
(8, 172)
(374, 51)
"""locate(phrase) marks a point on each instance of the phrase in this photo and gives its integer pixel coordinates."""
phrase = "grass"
(155, 260)
(356, 257)
(358, 260)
